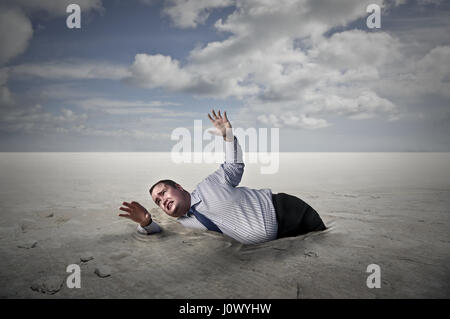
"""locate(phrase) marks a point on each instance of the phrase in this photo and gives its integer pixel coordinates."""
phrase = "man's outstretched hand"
(136, 212)
(222, 125)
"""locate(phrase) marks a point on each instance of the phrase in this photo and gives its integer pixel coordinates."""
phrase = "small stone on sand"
(49, 285)
(311, 253)
(28, 245)
(86, 257)
(103, 271)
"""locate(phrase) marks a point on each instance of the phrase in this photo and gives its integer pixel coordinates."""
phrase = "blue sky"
(138, 69)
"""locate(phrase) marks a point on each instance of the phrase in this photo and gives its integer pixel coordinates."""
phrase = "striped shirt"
(242, 213)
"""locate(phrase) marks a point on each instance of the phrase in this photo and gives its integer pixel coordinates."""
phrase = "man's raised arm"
(231, 171)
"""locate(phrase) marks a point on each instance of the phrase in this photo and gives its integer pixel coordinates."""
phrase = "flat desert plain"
(388, 209)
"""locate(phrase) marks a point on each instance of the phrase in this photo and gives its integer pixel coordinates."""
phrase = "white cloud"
(292, 120)
(157, 70)
(75, 69)
(82, 129)
(15, 33)
(15, 26)
(271, 70)
(153, 71)
(355, 48)
(190, 13)
(419, 78)
(366, 104)
(36, 119)
(278, 59)
(434, 71)
(122, 107)
(293, 18)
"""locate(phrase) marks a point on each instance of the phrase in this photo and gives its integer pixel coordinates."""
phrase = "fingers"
(134, 211)
(225, 115)
(136, 204)
(125, 209)
(128, 204)
(132, 205)
(217, 116)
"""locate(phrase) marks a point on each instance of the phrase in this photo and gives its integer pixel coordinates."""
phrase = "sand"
(389, 209)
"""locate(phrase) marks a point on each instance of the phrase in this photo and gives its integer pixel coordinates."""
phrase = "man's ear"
(179, 187)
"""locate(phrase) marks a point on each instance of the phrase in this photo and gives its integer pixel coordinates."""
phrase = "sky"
(138, 69)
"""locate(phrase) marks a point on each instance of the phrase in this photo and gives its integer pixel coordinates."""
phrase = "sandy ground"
(404, 231)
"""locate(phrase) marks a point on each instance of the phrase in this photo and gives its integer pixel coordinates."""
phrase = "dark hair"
(163, 181)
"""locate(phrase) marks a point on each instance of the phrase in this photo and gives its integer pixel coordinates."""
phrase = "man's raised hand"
(136, 212)
(222, 125)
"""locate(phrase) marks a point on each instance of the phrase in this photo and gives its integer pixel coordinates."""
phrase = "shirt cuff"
(233, 151)
(150, 229)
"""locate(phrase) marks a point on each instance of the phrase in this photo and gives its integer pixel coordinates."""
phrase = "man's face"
(173, 200)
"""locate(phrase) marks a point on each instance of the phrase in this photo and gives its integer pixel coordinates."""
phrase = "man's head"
(171, 197)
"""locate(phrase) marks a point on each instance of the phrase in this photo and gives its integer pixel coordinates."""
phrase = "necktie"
(204, 220)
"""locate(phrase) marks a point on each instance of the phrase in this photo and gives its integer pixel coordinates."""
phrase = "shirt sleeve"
(231, 171)
(150, 229)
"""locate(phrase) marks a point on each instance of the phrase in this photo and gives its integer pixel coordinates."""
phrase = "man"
(248, 215)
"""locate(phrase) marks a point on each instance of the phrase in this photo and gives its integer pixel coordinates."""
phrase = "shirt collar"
(195, 199)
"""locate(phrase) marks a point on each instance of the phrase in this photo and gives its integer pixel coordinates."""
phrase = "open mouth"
(169, 205)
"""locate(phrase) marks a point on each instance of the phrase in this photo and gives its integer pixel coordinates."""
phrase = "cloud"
(292, 63)
(123, 107)
(233, 67)
(295, 19)
(15, 26)
(190, 13)
(289, 66)
(36, 120)
(366, 104)
(292, 120)
(434, 71)
(6, 98)
(15, 33)
(75, 69)
(54, 7)
(154, 71)
(82, 129)
(356, 48)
